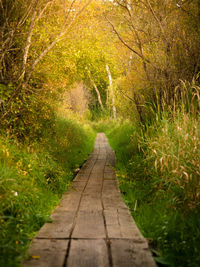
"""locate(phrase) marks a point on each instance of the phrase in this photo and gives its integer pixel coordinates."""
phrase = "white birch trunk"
(28, 41)
(97, 91)
(111, 92)
(56, 40)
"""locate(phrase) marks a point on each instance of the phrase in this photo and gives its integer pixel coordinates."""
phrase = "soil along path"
(92, 227)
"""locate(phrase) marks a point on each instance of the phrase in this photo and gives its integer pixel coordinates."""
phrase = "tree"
(159, 37)
(23, 43)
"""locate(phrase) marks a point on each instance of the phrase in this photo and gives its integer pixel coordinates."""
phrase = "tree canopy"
(47, 46)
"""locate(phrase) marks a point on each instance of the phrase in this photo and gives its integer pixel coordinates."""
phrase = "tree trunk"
(138, 107)
(55, 41)
(97, 90)
(112, 92)
(28, 41)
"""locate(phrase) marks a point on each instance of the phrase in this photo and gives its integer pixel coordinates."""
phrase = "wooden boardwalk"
(92, 227)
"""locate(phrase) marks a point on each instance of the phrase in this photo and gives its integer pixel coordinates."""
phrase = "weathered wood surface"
(88, 253)
(92, 227)
(47, 252)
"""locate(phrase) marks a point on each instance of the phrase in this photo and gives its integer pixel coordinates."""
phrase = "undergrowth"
(33, 177)
(158, 171)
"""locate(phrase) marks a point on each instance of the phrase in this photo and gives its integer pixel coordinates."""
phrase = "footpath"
(92, 227)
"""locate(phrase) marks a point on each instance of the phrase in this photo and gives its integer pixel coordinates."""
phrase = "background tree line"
(162, 41)
(148, 46)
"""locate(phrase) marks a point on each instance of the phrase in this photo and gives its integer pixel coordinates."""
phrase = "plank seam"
(108, 242)
(92, 238)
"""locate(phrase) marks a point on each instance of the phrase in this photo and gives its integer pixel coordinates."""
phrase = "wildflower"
(14, 193)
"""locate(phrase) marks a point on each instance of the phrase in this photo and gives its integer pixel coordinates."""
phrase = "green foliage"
(69, 139)
(32, 180)
(5, 91)
(28, 116)
(102, 125)
(159, 177)
(122, 140)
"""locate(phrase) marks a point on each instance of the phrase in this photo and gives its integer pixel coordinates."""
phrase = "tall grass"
(173, 155)
(159, 176)
(32, 180)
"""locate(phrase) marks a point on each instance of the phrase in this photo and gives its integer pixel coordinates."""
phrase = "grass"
(158, 172)
(33, 178)
(157, 168)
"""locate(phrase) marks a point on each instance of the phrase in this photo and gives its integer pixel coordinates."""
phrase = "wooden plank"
(102, 153)
(110, 154)
(88, 164)
(99, 166)
(111, 193)
(94, 154)
(111, 162)
(128, 225)
(87, 167)
(85, 172)
(92, 189)
(120, 224)
(110, 184)
(46, 253)
(95, 180)
(125, 217)
(98, 172)
(111, 196)
(109, 175)
(88, 253)
(69, 202)
(60, 227)
(89, 224)
(113, 201)
(91, 202)
(109, 169)
(81, 176)
(111, 159)
(77, 186)
(128, 253)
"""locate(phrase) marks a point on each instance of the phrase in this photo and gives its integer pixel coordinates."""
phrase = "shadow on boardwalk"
(92, 226)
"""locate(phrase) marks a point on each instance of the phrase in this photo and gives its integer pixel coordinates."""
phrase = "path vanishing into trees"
(92, 226)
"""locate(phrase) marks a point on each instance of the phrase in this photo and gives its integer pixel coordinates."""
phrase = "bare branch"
(1, 4)
(157, 20)
(120, 38)
(28, 40)
(68, 13)
(56, 40)
(44, 9)
(126, 96)
(26, 15)
(128, 46)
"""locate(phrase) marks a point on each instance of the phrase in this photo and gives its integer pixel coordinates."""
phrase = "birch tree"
(28, 19)
(111, 91)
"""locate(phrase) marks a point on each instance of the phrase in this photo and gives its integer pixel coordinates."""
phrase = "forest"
(129, 68)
